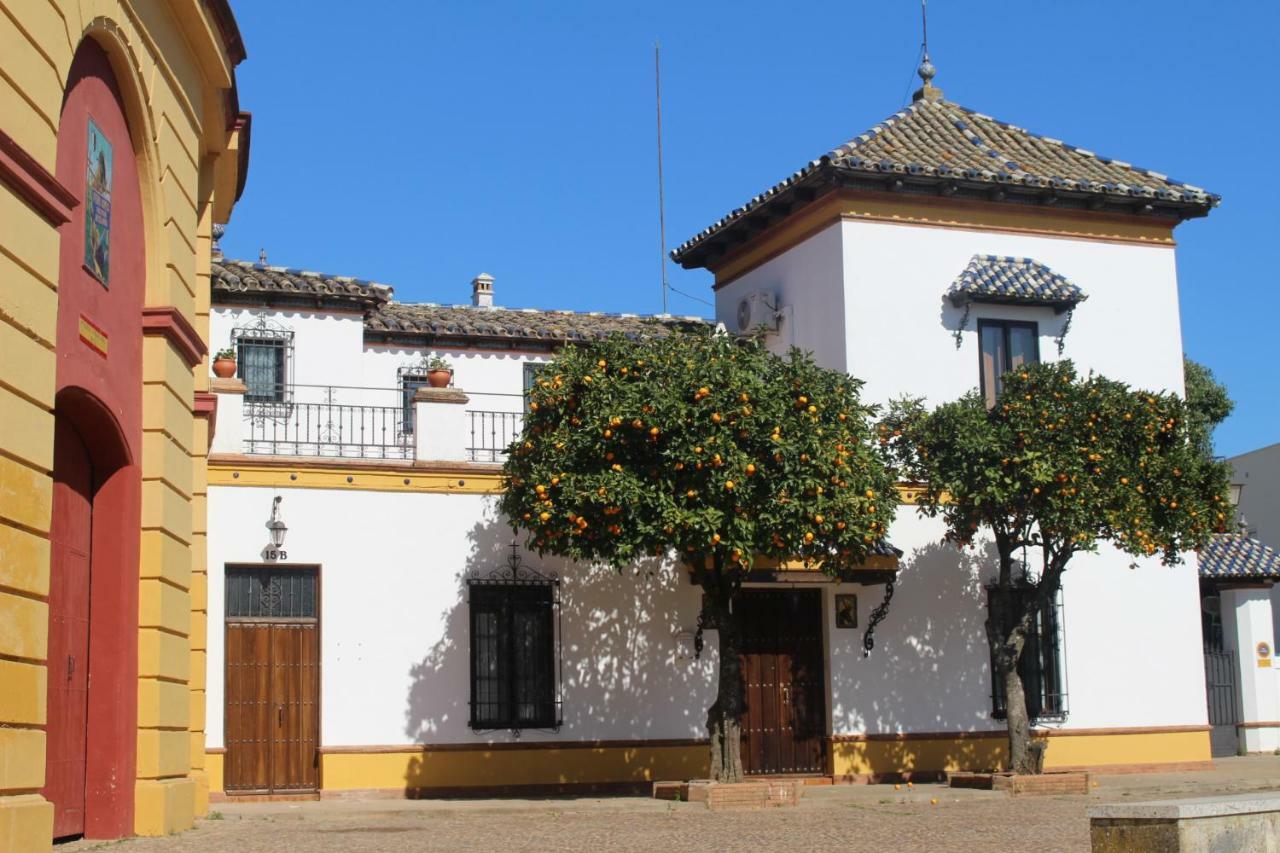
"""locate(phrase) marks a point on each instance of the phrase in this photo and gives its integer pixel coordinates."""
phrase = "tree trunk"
(1007, 637)
(725, 714)
(1022, 759)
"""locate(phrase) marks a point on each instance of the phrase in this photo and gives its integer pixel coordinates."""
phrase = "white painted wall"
(1258, 471)
(329, 350)
(1130, 658)
(900, 327)
(394, 622)
(1246, 623)
(324, 343)
(806, 281)
(869, 297)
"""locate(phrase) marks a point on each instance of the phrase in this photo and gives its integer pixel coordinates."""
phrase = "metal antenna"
(924, 25)
(662, 222)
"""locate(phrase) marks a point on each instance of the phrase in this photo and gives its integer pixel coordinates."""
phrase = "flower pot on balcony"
(224, 368)
(439, 378)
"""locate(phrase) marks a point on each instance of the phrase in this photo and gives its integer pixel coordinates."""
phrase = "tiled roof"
(244, 282)
(1023, 281)
(239, 281)
(425, 320)
(935, 146)
(1236, 555)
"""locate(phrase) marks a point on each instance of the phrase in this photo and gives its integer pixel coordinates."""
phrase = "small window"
(1041, 664)
(411, 379)
(513, 656)
(263, 361)
(531, 371)
(269, 592)
(1006, 346)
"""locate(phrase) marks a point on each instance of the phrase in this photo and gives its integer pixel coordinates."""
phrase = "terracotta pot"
(439, 378)
(224, 368)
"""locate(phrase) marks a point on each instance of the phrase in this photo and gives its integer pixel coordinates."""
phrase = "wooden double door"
(272, 685)
(785, 726)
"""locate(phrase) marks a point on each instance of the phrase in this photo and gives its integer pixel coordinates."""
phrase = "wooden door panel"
(295, 683)
(70, 546)
(249, 715)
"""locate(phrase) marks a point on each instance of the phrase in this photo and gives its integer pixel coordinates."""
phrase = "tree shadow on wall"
(622, 682)
(929, 673)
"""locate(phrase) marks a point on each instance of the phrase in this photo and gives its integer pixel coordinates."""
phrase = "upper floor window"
(411, 379)
(531, 371)
(264, 356)
(1006, 345)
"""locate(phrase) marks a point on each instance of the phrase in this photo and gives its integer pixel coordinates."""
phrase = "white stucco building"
(391, 646)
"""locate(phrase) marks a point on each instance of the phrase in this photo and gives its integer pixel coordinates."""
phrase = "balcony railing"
(314, 423)
(490, 433)
(371, 423)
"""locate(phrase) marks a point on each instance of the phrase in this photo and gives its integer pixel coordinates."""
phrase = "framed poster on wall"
(97, 205)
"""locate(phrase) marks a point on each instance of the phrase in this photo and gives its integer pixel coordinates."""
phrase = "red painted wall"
(101, 397)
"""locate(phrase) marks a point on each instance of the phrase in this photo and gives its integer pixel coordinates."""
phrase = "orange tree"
(706, 447)
(1057, 466)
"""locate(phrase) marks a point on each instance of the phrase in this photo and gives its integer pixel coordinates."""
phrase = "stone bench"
(1235, 822)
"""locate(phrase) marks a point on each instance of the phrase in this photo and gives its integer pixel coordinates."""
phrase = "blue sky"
(420, 143)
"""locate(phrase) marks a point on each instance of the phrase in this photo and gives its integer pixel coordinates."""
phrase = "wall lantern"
(276, 526)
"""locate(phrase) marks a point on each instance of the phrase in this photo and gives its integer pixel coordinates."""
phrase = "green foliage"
(1207, 403)
(1063, 462)
(437, 362)
(699, 443)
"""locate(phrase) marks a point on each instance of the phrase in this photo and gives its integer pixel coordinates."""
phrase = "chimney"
(482, 291)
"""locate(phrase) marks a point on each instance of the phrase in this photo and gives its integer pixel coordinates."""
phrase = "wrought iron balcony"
(491, 432)
(331, 421)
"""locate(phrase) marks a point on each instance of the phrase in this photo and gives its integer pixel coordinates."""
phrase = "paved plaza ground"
(843, 817)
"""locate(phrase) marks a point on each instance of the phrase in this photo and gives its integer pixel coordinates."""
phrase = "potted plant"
(439, 372)
(224, 363)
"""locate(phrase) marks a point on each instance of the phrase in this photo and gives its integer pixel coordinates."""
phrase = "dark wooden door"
(70, 547)
(272, 683)
(784, 730)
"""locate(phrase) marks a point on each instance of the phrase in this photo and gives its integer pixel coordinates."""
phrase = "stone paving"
(845, 817)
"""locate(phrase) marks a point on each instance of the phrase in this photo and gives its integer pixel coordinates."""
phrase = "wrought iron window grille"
(269, 592)
(516, 659)
(531, 371)
(409, 379)
(1042, 664)
(264, 362)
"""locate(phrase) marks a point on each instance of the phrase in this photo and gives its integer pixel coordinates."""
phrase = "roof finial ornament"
(927, 91)
(262, 256)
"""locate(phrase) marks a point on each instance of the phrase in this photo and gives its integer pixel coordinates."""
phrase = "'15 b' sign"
(272, 555)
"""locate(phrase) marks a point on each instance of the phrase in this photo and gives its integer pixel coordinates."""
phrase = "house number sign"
(275, 554)
(1264, 655)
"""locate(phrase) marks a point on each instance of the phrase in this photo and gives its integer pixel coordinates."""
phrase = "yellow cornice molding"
(462, 478)
(354, 475)
(940, 213)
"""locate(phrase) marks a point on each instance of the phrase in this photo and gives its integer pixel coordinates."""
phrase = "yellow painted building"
(121, 144)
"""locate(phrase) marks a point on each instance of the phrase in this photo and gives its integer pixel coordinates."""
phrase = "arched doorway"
(91, 718)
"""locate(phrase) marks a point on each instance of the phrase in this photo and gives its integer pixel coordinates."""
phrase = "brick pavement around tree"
(846, 818)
